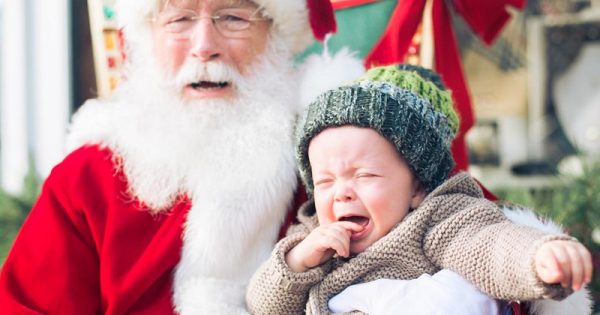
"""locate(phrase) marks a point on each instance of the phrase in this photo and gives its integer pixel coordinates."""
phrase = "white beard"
(234, 159)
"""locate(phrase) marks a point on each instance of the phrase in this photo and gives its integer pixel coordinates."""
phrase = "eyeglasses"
(229, 22)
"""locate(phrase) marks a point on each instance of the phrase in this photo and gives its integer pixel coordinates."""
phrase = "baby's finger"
(563, 260)
(585, 263)
(349, 226)
(548, 268)
(341, 246)
(586, 259)
(340, 230)
(576, 267)
(339, 240)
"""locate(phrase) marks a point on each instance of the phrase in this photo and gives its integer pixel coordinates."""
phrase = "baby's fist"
(566, 262)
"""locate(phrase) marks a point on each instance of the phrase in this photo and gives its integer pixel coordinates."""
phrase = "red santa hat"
(293, 19)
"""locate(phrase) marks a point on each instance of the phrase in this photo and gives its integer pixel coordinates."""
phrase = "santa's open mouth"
(209, 85)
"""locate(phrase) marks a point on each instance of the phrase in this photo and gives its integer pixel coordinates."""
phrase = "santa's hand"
(321, 244)
(566, 262)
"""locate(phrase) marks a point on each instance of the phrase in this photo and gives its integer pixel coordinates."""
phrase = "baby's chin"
(359, 247)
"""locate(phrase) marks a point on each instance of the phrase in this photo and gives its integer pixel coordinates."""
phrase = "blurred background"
(535, 94)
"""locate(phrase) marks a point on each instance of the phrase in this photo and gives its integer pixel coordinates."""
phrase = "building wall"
(35, 88)
(13, 104)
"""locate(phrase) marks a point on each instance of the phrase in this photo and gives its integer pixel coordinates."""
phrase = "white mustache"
(194, 71)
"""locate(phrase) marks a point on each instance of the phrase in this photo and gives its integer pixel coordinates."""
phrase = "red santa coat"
(105, 264)
(80, 229)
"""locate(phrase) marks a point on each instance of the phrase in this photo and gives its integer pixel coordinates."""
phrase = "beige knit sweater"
(454, 228)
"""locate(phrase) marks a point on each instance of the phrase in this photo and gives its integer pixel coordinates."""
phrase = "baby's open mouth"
(201, 85)
(360, 220)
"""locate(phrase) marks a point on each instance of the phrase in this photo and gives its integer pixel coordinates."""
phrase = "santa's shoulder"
(85, 161)
(95, 123)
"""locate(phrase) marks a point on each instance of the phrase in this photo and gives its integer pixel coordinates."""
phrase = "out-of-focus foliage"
(14, 209)
(575, 204)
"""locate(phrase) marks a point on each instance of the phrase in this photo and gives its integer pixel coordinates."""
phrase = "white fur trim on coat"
(578, 303)
(290, 18)
(213, 296)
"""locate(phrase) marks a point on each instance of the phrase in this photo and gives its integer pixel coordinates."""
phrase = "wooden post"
(426, 52)
(106, 45)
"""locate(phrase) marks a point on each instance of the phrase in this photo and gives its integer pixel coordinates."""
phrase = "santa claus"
(176, 187)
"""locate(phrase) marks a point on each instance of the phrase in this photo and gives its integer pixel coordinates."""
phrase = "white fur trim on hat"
(134, 16)
(322, 72)
(290, 17)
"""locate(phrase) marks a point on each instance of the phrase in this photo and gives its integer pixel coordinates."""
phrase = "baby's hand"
(566, 262)
(321, 244)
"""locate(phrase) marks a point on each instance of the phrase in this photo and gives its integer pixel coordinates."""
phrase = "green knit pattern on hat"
(411, 78)
(426, 74)
(398, 105)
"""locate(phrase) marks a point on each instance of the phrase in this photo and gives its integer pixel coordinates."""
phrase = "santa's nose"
(206, 41)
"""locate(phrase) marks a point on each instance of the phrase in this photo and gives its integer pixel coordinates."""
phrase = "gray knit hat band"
(420, 134)
(406, 98)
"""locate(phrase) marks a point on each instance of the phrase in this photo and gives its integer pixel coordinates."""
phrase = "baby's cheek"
(325, 214)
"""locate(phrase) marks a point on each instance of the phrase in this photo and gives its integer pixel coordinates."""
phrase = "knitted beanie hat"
(407, 105)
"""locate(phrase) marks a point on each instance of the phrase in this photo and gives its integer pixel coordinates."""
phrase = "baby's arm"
(275, 288)
(281, 287)
(566, 262)
(495, 254)
(321, 244)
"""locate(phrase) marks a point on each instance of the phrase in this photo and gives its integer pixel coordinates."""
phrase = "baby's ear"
(418, 194)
